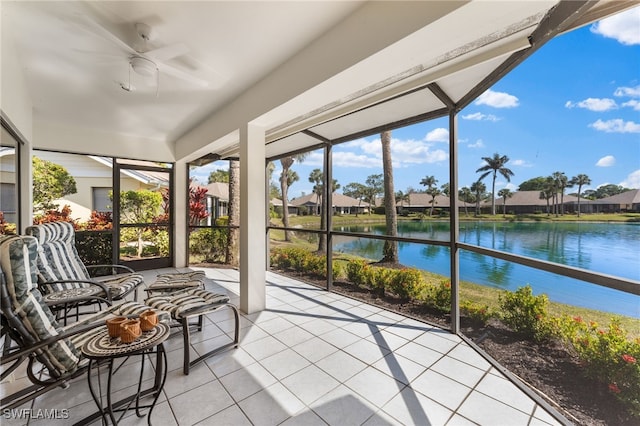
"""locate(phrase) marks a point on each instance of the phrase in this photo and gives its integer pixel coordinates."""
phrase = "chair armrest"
(113, 267)
(25, 352)
(102, 286)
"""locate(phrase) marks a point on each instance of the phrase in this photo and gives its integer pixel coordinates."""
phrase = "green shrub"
(406, 283)
(438, 296)
(356, 272)
(476, 311)
(525, 313)
(608, 356)
(209, 243)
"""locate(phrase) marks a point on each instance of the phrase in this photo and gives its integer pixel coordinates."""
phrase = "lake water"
(612, 249)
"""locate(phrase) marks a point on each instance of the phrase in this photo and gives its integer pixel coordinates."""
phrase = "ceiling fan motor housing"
(143, 66)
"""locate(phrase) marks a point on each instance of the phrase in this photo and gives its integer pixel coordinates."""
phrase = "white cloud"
(478, 116)
(521, 163)
(632, 92)
(594, 104)
(511, 187)
(606, 161)
(476, 144)
(437, 135)
(622, 27)
(497, 99)
(351, 159)
(633, 104)
(616, 125)
(632, 180)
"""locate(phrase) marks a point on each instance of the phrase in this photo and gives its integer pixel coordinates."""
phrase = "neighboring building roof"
(627, 197)
(144, 176)
(219, 190)
(339, 200)
(528, 198)
(422, 199)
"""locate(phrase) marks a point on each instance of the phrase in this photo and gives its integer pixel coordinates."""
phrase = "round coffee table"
(102, 349)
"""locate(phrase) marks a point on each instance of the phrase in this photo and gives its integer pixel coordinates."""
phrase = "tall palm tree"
(466, 195)
(579, 180)
(479, 189)
(495, 165)
(430, 182)
(562, 182)
(232, 254)
(286, 163)
(390, 249)
(505, 193)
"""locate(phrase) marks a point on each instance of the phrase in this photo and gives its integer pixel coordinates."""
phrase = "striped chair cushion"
(188, 302)
(58, 260)
(57, 256)
(178, 281)
(18, 263)
(120, 284)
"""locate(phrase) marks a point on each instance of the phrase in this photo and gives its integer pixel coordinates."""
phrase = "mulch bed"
(548, 368)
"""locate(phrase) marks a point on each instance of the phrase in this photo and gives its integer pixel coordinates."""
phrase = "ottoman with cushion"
(171, 282)
(186, 304)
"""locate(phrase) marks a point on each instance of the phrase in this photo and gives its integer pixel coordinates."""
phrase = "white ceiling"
(289, 65)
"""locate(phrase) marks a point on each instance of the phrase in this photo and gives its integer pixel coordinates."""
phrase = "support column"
(180, 213)
(454, 210)
(252, 219)
(25, 184)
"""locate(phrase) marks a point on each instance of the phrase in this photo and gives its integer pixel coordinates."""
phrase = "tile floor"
(315, 358)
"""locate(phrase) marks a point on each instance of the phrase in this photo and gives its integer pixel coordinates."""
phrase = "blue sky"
(573, 106)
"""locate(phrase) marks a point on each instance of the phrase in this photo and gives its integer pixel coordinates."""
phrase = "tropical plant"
(495, 165)
(219, 175)
(390, 248)
(526, 313)
(505, 193)
(561, 182)
(51, 181)
(430, 182)
(139, 207)
(579, 180)
(479, 190)
(466, 196)
(355, 190)
(374, 186)
(232, 255)
(286, 163)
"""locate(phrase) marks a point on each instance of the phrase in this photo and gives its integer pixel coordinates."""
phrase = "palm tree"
(390, 249)
(561, 182)
(479, 189)
(505, 193)
(495, 164)
(232, 254)
(430, 182)
(466, 195)
(286, 163)
(579, 180)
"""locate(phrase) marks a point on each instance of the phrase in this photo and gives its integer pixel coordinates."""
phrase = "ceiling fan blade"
(95, 28)
(175, 72)
(167, 52)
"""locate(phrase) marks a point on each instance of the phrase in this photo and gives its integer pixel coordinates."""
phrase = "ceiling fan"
(146, 63)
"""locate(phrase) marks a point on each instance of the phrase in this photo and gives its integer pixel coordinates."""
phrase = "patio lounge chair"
(30, 330)
(61, 271)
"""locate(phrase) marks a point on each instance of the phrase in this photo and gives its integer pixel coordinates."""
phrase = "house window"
(102, 199)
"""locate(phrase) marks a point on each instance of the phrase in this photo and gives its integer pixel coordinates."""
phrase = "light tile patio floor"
(315, 358)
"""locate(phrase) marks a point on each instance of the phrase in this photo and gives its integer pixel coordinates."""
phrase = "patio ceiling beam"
(394, 125)
(562, 16)
(316, 136)
(440, 94)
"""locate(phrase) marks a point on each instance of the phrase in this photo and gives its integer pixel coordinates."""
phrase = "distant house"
(94, 175)
(628, 201)
(526, 202)
(421, 202)
(341, 204)
(217, 200)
